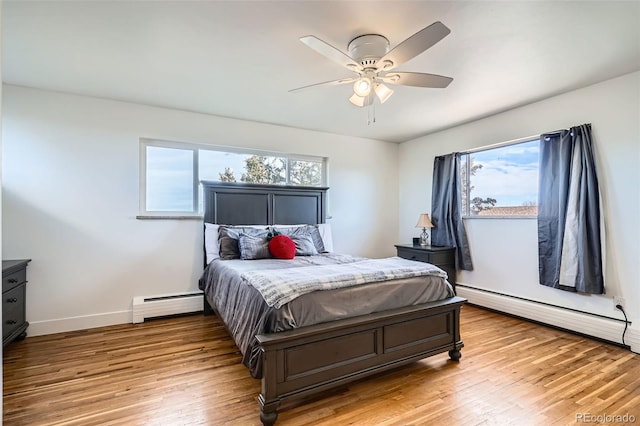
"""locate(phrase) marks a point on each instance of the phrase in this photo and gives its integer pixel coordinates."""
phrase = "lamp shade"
(361, 101)
(424, 221)
(357, 100)
(383, 92)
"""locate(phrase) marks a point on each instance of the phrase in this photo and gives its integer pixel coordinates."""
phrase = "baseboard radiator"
(591, 325)
(164, 305)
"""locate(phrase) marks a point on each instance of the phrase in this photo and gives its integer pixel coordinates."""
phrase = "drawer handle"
(12, 300)
(11, 322)
(12, 281)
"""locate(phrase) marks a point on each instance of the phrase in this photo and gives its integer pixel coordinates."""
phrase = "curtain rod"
(500, 144)
(556, 131)
(564, 130)
(510, 142)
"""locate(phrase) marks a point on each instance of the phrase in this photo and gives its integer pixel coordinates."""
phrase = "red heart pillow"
(282, 247)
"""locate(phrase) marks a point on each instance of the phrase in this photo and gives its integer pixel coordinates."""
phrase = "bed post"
(268, 403)
(455, 354)
(268, 413)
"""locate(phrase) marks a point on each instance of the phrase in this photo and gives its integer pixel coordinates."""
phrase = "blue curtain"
(446, 212)
(569, 246)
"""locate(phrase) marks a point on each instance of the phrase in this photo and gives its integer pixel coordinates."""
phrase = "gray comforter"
(245, 312)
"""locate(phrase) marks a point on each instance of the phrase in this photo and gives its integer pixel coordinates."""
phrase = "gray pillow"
(311, 230)
(304, 245)
(253, 246)
(228, 239)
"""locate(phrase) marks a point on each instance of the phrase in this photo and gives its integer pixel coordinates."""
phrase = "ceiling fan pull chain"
(371, 113)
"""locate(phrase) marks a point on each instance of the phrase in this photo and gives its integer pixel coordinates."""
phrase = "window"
(171, 173)
(169, 179)
(501, 181)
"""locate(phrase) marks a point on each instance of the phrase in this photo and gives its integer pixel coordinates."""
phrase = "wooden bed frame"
(305, 361)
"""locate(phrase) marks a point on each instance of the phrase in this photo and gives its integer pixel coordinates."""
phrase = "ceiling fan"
(371, 60)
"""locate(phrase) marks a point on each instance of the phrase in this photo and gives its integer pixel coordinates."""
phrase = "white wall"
(71, 196)
(505, 250)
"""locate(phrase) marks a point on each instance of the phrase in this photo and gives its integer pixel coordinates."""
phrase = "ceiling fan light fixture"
(362, 87)
(357, 100)
(383, 92)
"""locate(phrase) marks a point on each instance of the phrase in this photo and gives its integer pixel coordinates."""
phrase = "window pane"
(249, 168)
(307, 173)
(222, 166)
(264, 169)
(503, 181)
(169, 179)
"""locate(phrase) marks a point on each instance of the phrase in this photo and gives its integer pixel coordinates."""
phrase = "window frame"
(195, 213)
(466, 210)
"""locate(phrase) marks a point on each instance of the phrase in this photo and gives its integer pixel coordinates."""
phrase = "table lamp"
(424, 222)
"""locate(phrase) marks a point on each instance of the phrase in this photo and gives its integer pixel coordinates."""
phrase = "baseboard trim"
(583, 323)
(633, 339)
(61, 325)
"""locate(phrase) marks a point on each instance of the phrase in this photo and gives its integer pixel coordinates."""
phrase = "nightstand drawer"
(414, 255)
(13, 310)
(436, 258)
(12, 280)
(440, 258)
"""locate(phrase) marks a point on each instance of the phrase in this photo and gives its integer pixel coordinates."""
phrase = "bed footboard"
(302, 362)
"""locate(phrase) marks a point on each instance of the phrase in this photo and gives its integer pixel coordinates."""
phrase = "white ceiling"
(239, 59)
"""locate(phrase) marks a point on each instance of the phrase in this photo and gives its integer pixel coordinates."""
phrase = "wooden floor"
(187, 371)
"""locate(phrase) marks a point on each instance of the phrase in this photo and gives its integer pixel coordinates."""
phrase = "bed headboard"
(254, 204)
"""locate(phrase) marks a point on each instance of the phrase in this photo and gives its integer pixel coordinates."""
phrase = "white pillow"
(327, 238)
(211, 246)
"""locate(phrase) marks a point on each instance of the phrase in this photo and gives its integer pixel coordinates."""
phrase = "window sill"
(168, 217)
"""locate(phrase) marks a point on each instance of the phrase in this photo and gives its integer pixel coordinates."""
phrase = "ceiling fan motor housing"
(368, 49)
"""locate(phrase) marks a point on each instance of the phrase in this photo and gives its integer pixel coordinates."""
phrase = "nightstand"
(14, 287)
(443, 257)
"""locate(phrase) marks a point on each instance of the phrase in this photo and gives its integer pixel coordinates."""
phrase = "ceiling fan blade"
(331, 52)
(413, 46)
(327, 83)
(417, 79)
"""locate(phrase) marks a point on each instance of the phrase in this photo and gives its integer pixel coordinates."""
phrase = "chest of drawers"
(14, 286)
